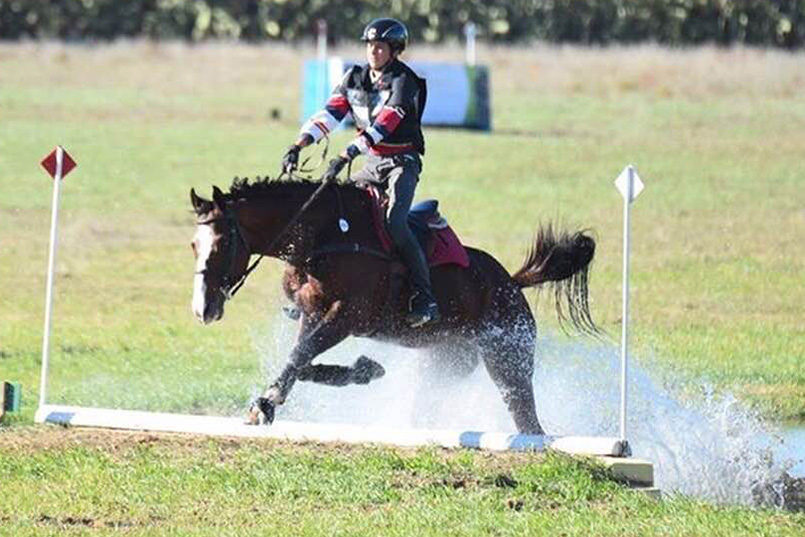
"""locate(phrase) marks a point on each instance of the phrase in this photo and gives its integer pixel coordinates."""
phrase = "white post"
(54, 220)
(630, 187)
(321, 40)
(321, 57)
(469, 33)
(627, 202)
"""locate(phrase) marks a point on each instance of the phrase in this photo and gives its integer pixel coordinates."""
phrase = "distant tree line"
(778, 23)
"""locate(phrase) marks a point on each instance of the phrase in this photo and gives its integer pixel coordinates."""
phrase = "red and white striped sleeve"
(328, 118)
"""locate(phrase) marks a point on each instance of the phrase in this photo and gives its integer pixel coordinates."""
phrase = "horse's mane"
(243, 188)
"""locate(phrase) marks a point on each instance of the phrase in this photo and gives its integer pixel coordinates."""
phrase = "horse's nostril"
(213, 309)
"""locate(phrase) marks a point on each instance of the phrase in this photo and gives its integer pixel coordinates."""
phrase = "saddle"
(435, 236)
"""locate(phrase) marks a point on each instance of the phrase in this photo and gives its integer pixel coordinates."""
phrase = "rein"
(233, 223)
(229, 289)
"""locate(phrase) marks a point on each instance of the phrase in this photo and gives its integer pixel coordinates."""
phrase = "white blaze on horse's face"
(203, 242)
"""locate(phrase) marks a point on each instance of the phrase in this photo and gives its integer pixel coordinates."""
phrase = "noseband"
(229, 282)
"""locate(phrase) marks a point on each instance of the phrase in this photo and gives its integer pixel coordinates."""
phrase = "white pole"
(54, 219)
(469, 33)
(321, 40)
(321, 56)
(625, 314)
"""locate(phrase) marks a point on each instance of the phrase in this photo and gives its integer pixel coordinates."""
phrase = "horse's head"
(221, 254)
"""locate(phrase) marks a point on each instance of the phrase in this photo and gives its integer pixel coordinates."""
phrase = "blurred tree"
(672, 22)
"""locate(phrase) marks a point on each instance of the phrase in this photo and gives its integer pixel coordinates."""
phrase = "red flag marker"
(58, 164)
(50, 164)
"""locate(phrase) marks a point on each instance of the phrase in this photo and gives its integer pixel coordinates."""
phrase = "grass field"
(717, 136)
(162, 485)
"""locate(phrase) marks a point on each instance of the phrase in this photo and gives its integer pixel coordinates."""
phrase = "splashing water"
(711, 447)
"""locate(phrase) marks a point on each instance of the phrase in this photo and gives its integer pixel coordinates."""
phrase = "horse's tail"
(563, 259)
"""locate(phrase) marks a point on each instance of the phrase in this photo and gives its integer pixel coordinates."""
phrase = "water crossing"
(702, 443)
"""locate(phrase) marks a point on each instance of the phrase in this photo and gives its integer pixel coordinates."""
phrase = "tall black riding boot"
(422, 307)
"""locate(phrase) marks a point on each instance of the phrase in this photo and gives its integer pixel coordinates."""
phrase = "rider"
(386, 100)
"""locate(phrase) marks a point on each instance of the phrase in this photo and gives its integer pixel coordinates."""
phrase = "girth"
(347, 248)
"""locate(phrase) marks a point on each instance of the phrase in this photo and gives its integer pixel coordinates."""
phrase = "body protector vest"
(387, 113)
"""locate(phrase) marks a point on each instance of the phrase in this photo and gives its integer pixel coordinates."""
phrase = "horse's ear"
(200, 205)
(218, 197)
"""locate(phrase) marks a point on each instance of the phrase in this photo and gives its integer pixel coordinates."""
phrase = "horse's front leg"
(317, 334)
(363, 371)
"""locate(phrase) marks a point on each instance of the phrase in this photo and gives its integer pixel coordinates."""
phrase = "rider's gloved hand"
(290, 161)
(335, 167)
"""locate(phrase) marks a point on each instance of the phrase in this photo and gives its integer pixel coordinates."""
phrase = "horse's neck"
(268, 217)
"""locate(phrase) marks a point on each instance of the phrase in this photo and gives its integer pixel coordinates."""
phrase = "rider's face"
(378, 54)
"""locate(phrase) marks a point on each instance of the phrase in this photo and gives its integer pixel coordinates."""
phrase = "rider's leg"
(366, 174)
(402, 180)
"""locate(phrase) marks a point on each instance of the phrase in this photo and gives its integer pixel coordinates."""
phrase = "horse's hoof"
(366, 370)
(261, 412)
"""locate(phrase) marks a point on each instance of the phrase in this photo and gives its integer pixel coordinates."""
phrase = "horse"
(342, 283)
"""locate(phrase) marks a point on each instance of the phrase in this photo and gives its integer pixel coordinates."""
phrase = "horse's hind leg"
(510, 363)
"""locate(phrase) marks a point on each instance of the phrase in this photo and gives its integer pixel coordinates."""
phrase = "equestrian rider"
(386, 100)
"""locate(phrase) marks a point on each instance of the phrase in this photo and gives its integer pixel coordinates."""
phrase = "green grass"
(175, 485)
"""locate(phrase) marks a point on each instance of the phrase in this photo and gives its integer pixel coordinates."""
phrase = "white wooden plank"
(320, 432)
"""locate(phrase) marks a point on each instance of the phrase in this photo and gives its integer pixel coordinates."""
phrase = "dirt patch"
(58, 438)
(31, 439)
(84, 522)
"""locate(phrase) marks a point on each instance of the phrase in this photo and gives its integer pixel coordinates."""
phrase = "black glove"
(291, 159)
(335, 167)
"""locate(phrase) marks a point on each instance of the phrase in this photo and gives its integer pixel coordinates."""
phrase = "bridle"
(230, 283)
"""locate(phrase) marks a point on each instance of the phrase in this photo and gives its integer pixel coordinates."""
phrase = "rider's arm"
(399, 104)
(321, 123)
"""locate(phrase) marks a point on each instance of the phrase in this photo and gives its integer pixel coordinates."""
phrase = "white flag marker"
(627, 182)
(630, 186)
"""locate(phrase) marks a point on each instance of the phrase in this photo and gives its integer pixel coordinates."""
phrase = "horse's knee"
(365, 370)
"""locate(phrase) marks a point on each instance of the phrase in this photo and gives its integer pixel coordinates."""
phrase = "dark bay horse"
(342, 284)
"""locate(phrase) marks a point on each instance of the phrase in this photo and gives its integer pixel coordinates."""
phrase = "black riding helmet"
(389, 31)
